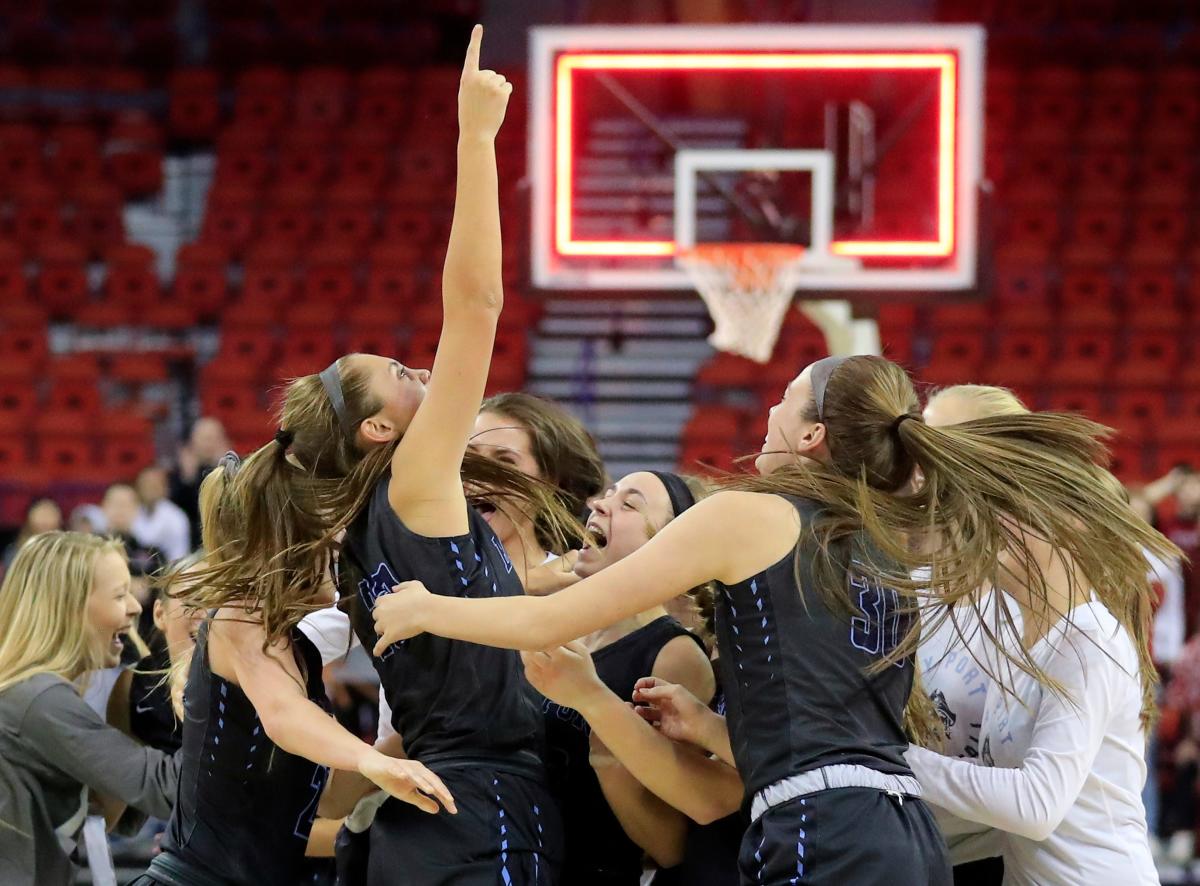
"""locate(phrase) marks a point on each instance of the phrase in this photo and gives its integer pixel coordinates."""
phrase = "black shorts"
(507, 832)
(985, 872)
(848, 835)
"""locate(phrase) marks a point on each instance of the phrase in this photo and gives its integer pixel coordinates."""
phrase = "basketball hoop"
(747, 288)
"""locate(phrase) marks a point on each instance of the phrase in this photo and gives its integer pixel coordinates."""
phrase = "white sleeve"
(329, 630)
(386, 729)
(1032, 799)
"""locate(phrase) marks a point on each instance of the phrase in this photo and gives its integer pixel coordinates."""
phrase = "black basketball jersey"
(245, 805)
(152, 720)
(448, 698)
(795, 670)
(597, 849)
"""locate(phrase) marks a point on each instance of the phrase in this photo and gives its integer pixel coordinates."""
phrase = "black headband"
(284, 438)
(677, 491)
(331, 380)
(822, 370)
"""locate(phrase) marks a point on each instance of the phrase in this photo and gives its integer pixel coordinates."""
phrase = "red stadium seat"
(393, 285)
(230, 221)
(193, 110)
(1085, 359)
(268, 282)
(1087, 297)
(321, 96)
(1086, 401)
(98, 221)
(956, 359)
(1021, 359)
(382, 97)
(124, 456)
(135, 154)
(305, 352)
(132, 278)
(1146, 410)
(1151, 359)
(262, 96)
(74, 155)
(231, 398)
(1150, 299)
(200, 279)
(62, 284)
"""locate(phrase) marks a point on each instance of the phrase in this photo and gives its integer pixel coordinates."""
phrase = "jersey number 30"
(878, 627)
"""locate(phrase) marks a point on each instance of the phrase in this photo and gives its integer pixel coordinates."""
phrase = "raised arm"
(729, 537)
(273, 684)
(425, 489)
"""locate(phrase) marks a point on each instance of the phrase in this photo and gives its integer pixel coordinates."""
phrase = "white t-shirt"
(1061, 777)
(166, 528)
(951, 670)
(329, 630)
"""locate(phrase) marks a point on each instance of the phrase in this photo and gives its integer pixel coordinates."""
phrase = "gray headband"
(822, 370)
(331, 380)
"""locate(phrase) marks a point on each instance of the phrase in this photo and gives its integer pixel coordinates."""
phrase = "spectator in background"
(196, 458)
(160, 523)
(1182, 484)
(120, 507)
(44, 515)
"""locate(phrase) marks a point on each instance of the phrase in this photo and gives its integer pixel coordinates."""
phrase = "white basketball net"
(747, 288)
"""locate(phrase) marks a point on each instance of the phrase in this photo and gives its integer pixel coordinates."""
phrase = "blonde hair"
(43, 603)
(987, 400)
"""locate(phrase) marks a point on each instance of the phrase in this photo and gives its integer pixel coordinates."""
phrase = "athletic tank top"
(245, 805)
(597, 849)
(448, 698)
(794, 670)
(710, 854)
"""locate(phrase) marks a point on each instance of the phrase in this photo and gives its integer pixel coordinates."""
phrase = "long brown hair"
(564, 449)
(1002, 484)
(271, 523)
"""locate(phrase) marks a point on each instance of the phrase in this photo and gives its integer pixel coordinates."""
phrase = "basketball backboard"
(889, 118)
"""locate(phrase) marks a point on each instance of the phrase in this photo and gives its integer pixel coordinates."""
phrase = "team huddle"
(914, 637)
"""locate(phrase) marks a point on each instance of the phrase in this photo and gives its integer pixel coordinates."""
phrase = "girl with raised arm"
(377, 449)
(815, 560)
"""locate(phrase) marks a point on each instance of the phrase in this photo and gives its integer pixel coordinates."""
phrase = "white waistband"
(827, 778)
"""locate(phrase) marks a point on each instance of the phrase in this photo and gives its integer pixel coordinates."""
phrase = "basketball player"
(542, 440)
(609, 817)
(817, 646)
(257, 737)
(364, 447)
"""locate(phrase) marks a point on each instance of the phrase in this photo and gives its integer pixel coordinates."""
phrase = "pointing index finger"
(472, 62)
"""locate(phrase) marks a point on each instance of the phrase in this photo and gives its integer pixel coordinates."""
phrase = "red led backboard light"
(943, 65)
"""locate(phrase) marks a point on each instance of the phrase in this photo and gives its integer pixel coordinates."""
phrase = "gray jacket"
(52, 748)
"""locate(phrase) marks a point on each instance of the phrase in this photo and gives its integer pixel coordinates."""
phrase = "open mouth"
(598, 535)
(117, 644)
